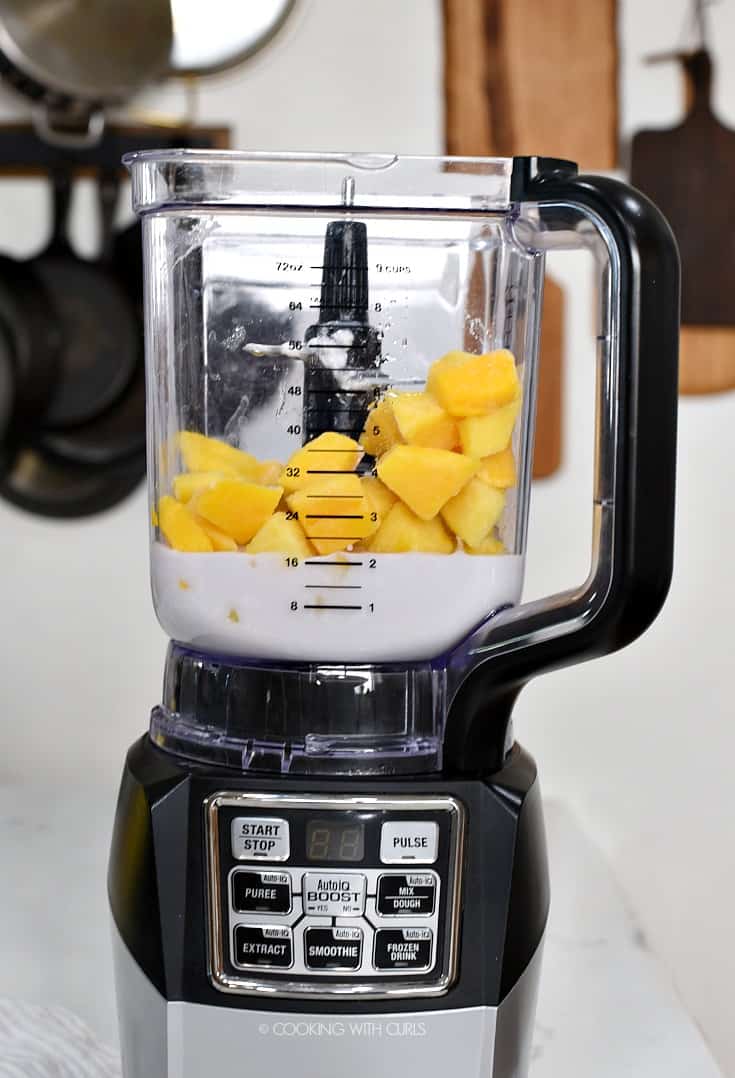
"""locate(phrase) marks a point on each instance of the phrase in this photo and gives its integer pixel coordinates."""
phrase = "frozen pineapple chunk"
(489, 545)
(180, 529)
(281, 535)
(485, 435)
(220, 541)
(189, 484)
(202, 454)
(237, 507)
(474, 512)
(334, 512)
(421, 421)
(468, 385)
(381, 431)
(381, 499)
(330, 452)
(425, 478)
(402, 532)
(499, 470)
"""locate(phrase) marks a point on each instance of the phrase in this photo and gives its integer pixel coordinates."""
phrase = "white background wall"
(640, 744)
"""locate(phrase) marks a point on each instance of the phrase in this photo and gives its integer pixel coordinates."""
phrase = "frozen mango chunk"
(281, 535)
(236, 507)
(474, 512)
(334, 512)
(489, 545)
(421, 421)
(485, 435)
(381, 499)
(425, 478)
(402, 532)
(468, 385)
(188, 484)
(180, 529)
(499, 470)
(329, 453)
(269, 473)
(381, 431)
(202, 454)
(219, 539)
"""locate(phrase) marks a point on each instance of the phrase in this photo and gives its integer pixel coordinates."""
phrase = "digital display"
(330, 840)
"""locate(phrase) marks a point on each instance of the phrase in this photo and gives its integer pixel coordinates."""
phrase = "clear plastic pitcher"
(341, 367)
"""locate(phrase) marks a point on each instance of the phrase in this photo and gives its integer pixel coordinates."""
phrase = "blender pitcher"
(330, 818)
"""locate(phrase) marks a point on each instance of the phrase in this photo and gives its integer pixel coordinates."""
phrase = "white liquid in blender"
(342, 608)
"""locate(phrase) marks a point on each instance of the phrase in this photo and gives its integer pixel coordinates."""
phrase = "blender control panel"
(339, 895)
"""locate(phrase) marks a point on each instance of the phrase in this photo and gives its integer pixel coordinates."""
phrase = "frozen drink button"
(260, 838)
(409, 840)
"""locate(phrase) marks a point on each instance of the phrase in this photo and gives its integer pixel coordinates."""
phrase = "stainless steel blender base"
(161, 1039)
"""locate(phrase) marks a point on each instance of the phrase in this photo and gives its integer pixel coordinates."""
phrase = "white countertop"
(606, 1008)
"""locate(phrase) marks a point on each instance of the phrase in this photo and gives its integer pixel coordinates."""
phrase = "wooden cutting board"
(532, 77)
(689, 172)
(511, 69)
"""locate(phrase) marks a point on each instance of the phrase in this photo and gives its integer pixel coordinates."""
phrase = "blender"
(328, 855)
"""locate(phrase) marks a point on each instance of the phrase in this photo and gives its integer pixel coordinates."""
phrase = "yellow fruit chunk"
(180, 529)
(330, 452)
(237, 507)
(334, 512)
(402, 532)
(381, 499)
(474, 512)
(280, 535)
(489, 545)
(485, 435)
(269, 473)
(425, 478)
(468, 385)
(381, 431)
(202, 454)
(421, 421)
(188, 484)
(220, 541)
(499, 470)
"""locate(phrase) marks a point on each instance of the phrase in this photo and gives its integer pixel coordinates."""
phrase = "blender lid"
(168, 179)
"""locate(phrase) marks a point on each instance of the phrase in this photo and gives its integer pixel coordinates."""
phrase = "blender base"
(161, 1039)
(184, 1012)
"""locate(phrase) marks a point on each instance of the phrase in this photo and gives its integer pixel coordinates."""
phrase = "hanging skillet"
(76, 56)
(114, 427)
(100, 334)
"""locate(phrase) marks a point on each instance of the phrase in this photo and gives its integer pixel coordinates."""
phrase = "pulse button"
(409, 840)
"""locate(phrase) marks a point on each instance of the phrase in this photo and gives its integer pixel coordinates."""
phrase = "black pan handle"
(61, 195)
(635, 527)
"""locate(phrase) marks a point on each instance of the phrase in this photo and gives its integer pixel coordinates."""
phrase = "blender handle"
(617, 605)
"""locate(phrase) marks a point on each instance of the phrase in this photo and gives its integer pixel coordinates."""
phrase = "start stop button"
(409, 840)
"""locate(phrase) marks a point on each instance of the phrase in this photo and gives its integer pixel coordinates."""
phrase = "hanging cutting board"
(498, 102)
(532, 77)
(689, 172)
